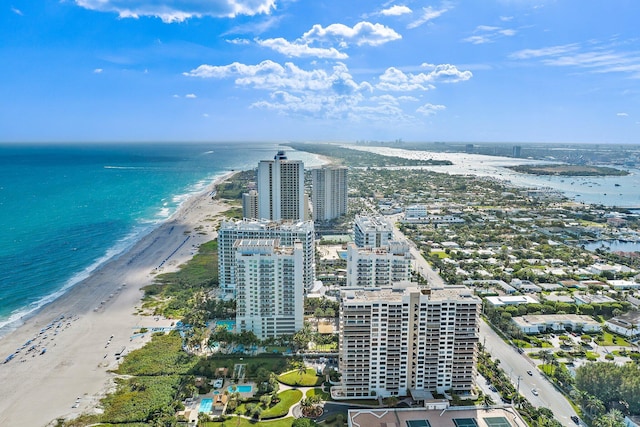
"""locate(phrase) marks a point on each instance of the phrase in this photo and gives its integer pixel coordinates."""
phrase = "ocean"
(67, 209)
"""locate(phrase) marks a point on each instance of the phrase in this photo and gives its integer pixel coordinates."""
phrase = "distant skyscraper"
(329, 192)
(372, 231)
(407, 338)
(281, 189)
(269, 287)
(250, 205)
(287, 232)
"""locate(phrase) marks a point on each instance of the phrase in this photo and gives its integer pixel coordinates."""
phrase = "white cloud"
(622, 114)
(363, 33)
(175, 95)
(430, 109)
(394, 79)
(546, 51)
(273, 76)
(595, 57)
(98, 70)
(334, 93)
(506, 18)
(488, 34)
(287, 48)
(396, 10)
(17, 11)
(180, 10)
(428, 13)
(190, 96)
(238, 41)
(205, 115)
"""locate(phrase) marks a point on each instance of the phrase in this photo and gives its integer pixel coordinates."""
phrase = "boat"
(44, 350)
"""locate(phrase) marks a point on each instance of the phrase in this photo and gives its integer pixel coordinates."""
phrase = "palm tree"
(594, 406)
(487, 401)
(546, 356)
(613, 418)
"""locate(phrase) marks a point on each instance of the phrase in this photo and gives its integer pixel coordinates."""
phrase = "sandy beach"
(74, 340)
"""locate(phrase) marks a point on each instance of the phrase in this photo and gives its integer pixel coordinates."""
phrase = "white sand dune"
(36, 388)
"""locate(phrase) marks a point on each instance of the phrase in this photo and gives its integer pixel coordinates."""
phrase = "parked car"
(530, 373)
(575, 419)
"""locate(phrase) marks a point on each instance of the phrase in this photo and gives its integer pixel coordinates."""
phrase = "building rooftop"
(497, 416)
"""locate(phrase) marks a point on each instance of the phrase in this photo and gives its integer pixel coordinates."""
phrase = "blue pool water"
(229, 324)
(240, 388)
(205, 405)
(342, 254)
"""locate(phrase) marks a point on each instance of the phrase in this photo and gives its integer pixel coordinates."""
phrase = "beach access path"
(100, 319)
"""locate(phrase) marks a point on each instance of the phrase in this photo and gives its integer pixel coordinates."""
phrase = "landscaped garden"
(300, 377)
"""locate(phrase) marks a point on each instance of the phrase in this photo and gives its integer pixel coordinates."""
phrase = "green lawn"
(318, 392)
(294, 378)
(242, 422)
(609, 339)
(288, 398)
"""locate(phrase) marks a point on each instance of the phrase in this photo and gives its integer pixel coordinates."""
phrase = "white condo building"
(281, 189)
(250, 205)
(372, 231)
(287, 232)
(399, 340)
(378, 267)
(269, 287)
(329, 192)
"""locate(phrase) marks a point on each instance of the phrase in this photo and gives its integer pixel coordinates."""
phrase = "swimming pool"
(205, 405)
(240, 388)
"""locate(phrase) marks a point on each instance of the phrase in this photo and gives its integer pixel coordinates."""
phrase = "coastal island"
(569, 170)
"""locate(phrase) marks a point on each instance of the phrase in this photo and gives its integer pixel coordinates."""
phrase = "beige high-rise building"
(372, 231)
(329, 192)
(250, 205)
(396, 340)
(281, 189)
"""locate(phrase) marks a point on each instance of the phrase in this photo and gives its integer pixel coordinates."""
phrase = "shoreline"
(100, 318)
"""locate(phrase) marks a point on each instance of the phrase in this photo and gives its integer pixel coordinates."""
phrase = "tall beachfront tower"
(281, 189)
(329, 192)
(269, 287)
(401, 340)
(288, 233)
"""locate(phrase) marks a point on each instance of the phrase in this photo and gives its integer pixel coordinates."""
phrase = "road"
(516, 366)
(513, 363)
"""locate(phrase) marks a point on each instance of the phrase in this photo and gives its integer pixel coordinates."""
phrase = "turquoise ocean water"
(66, 209)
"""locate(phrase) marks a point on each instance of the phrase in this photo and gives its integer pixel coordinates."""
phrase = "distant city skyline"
(511, 71)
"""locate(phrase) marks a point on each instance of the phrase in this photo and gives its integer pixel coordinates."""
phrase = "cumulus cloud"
(430, 109)
(333, 92)
(363, 33)
(17, 11)
(287, 48)
(314, 43)
(488, 34)
(98, 70)
(394, 79)
(428, 13)
(190, 96)
(622, 114)
(180, 10)
(396, 10)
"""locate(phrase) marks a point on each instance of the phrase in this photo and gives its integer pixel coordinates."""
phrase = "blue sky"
(335, 70)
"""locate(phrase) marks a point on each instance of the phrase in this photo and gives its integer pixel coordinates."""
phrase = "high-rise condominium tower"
(329, 192)
(396, 340)
(281, 189)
